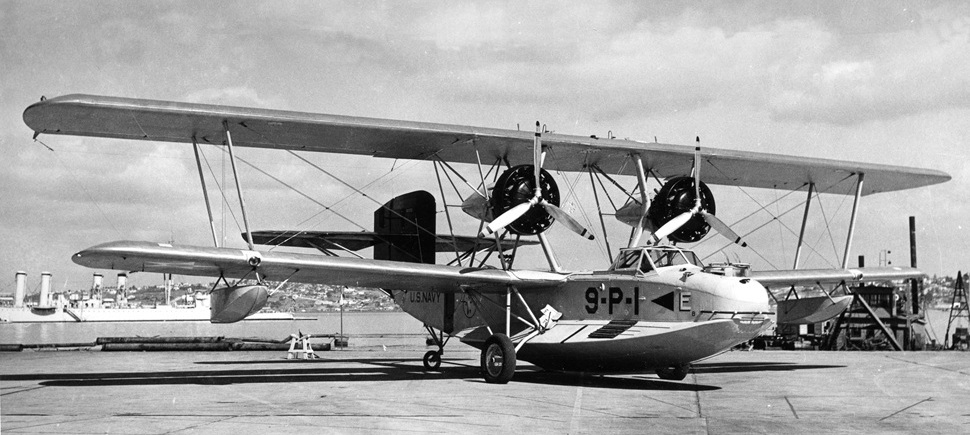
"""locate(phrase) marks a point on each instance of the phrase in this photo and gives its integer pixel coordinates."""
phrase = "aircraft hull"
(574, 346)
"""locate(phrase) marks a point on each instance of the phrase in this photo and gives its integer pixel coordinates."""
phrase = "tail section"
(405, 228)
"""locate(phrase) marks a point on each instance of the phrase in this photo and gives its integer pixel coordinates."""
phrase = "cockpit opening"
(648, 259)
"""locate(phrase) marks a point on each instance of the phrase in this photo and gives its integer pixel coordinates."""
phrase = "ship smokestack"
(168, 289)
(18, 298)
(96, 287)
(121, 295)
(45, 290)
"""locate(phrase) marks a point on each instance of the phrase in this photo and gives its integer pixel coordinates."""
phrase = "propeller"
(680, 220)
(514, 213)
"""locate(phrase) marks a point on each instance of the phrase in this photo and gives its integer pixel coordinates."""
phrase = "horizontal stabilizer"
(355, 241)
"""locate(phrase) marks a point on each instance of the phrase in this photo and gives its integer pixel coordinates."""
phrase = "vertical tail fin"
(405, 226)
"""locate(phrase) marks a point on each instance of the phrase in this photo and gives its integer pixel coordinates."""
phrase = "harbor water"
(364, 329)
(377, 328)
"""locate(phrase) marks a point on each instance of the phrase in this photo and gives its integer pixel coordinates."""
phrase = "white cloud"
(886, 83)
(864, 77)
(233, 96)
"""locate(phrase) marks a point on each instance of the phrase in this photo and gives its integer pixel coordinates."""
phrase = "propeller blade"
(567, 220)
(537, 157)
(697, 174)
(507, 218)
(722, 228)
(672, 225)
(516, 212)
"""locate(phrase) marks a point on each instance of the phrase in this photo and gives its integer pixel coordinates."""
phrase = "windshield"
(655, 257)
(673, 257)
(627, 259)
(692, 258)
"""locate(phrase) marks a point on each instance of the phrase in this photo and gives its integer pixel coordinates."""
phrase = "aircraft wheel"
(432, 360)
(675, 373)
(498, 359)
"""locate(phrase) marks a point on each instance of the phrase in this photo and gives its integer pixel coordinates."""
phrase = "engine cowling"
(517, 185)
(677, 196)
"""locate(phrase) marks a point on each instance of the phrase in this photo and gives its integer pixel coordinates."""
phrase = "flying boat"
(655, 307)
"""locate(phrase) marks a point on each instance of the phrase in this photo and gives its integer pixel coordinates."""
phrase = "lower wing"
(307, 268)
(803, 277)
(811, 309)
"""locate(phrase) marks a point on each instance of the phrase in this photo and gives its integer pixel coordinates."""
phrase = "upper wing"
(788, 278)
(308, 268)
(112, 117)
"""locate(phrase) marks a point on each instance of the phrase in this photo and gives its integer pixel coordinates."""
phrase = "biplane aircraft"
(656, 307)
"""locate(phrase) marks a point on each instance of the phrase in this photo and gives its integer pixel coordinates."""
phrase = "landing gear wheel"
(498, 359)
(432, 360)
(674, 373)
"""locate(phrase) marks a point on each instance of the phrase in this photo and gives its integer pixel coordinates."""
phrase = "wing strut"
(444, 199)
(852, 219)
(801, 233)
(235, 176)
(644, 205)
(205, 193)
(599, 211)
(547, 250)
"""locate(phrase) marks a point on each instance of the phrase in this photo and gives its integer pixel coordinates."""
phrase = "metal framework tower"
(958, 308)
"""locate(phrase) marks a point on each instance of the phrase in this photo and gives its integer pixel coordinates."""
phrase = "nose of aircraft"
(741, 294)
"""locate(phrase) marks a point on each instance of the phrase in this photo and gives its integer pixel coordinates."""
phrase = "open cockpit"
(646, 259)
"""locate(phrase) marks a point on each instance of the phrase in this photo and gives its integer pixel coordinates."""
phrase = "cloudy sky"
(874, 81)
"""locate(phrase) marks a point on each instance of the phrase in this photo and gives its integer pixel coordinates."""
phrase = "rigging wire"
(781, 233)
(355, 189)
(371, 183)
(325, 207)
(774, 218)
(222, 193)
(570, 187)
(828, 227)
(84, 189)
(341, 181)
(811, 246)
(301, 193)
(749, 215)
(605, 191)
(765, 207)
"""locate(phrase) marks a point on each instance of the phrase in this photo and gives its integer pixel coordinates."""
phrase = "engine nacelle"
(677, 196)
(232, 304)
(515, 186)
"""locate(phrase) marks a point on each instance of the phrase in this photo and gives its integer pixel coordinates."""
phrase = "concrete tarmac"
(374, 390)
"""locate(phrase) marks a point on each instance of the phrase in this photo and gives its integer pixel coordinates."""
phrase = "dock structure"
(958, 310)
(878, 319)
